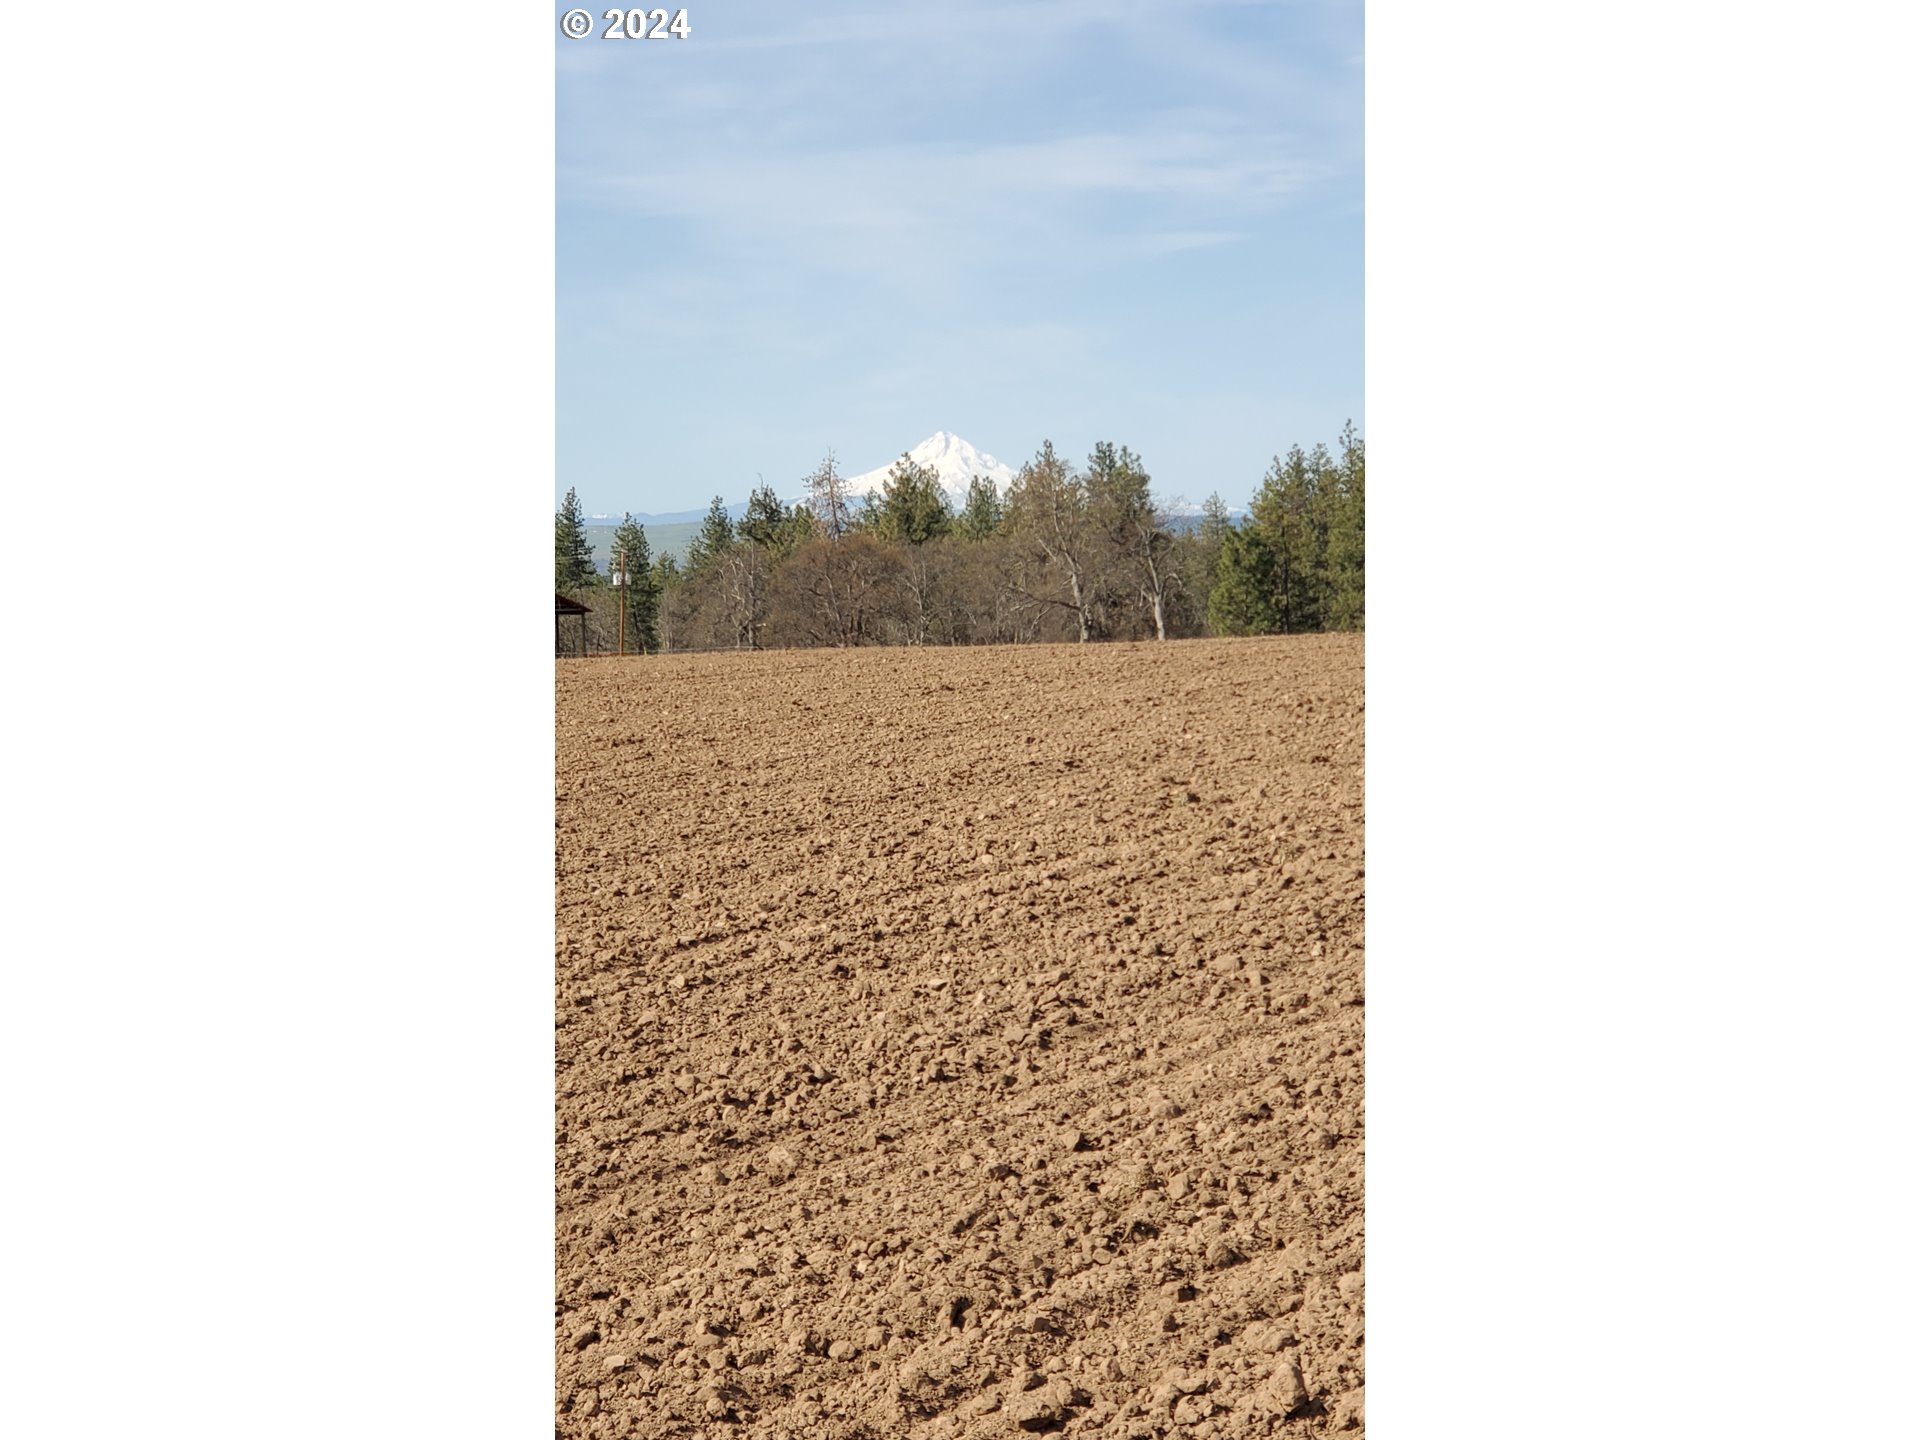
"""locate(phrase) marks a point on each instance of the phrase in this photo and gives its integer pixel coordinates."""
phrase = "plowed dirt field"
(961, 1043)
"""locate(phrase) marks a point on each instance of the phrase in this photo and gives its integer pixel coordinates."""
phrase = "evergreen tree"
(1242, 599)
(1140, 549)
(1347, 537)
(1215, 520)
(713, 541)
(912, 507)
(801, 526)
(983, 512)
(641, 595)
(1200, 549)
(1116, 480)
(572, 556)
(863, 516)
(772, 526)
(1290, 511)
(765, 521)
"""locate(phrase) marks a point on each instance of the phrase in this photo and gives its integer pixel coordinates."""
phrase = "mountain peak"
(954, 460)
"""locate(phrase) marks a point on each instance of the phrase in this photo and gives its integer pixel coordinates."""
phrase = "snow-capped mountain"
(953, 459)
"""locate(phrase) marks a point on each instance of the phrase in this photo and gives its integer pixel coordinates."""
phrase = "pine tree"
(801, 526)
(1140, 549)
(983, 512)
(1242, 599)
(1290, 511)
(641, 594)
(713, 541)
(572, 556)
(1215, 520)
(1200, 551)
(863, 516)
(1347, 537)
(772, 526)
(765, 521)
(911, 507)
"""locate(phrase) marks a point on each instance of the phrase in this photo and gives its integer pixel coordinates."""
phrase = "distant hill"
(662, 539)
(678, 517)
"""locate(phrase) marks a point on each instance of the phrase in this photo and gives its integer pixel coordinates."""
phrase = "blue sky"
(851, 225)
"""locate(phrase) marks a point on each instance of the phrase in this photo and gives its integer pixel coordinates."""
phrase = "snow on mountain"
(953, 459)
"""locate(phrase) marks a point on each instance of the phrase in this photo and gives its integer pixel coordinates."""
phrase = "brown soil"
(961, 1042)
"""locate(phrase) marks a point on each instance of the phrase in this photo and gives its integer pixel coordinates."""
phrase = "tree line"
(1067, 553)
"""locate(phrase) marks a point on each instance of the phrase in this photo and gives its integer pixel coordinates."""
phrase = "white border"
(279, 284)
(1641, 300)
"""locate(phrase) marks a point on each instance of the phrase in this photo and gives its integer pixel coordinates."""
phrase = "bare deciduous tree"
(827, 490)
(742, 575)
(835, 593)
(1047, 509)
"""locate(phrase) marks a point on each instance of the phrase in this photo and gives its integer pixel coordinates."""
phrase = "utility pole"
(620, 583)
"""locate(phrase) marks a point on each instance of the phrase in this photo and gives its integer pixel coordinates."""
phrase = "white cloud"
(911, 210)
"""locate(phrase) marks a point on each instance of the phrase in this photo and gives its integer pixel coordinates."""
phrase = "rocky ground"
(961, 1043)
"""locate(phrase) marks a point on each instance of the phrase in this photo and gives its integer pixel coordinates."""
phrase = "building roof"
(563, 606)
